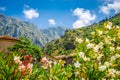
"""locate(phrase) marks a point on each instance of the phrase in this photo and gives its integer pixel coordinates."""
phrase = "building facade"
(7, 41)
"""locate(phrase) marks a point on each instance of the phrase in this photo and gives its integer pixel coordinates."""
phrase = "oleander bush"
(97, 58)
(26, 47)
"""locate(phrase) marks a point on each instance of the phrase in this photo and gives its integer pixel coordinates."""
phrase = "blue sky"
(69, 13)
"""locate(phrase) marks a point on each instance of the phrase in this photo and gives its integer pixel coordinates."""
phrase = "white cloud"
(30, 13)
(105, 9)
(2, 8)
(26, 6)
(51, 21)
(111, 5)
(84, 17)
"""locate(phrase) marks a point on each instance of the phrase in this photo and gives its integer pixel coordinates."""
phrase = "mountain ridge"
(15, 27)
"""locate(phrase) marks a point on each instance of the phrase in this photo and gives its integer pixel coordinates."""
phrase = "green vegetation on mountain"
(15, 28)
(67, 44)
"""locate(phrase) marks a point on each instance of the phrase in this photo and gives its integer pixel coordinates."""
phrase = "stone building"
(7, 41)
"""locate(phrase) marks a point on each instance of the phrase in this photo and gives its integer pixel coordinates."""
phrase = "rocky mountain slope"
(54, 32)
(15, 27)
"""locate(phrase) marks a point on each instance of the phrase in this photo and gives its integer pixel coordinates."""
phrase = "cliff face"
(15, 28)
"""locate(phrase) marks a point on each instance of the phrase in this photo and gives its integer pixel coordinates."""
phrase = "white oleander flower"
(117, 55)
(107, 64)
(117, 73)
(112, 48)
(96, 48)
(87, 40)
(107, 41)
(76, 73)
(108, 25)
(81, 54)
(102, 68)
(112, 58)
(77, 64)
(90, 45)
(54, 62)
(118, 48)
(83, 78)
(100, 56)
(101, 45)
(17, 60)
(100, 32)
(86, 59)
(111, 72)
(79, 40)
(117, 27)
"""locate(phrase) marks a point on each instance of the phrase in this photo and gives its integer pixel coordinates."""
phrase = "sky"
(68, 13)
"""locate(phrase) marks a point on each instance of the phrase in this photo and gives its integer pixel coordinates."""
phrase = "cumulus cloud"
(51, 21)
(30, 13)
(84, 17)
(111, 5)
(2, 8)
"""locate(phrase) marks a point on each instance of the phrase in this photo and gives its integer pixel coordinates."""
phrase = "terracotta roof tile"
(8, 38)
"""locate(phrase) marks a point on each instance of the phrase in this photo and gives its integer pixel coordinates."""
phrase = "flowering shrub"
(97, 58)
(8, 68)
(25, 47)
(24, 66)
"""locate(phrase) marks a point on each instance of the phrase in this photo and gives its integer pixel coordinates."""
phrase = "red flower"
(28, 58)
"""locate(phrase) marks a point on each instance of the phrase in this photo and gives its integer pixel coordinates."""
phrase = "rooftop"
(8, 38)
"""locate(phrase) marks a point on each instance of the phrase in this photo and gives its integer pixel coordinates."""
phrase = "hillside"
(15, 28)
(67, 44)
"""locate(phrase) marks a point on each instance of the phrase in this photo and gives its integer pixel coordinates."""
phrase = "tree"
(25, 46)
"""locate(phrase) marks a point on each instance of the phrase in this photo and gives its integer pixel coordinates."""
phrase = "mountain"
(15, 28)
(54, 32)
(67, 44)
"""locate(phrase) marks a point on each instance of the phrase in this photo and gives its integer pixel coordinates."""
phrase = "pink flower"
(22, 68)
(29, 67)
(44, 59)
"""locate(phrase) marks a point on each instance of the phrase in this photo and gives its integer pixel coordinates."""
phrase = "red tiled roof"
(8, 38)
